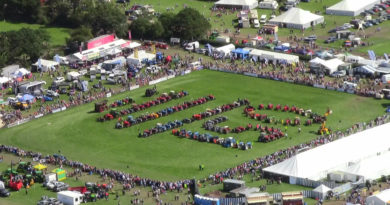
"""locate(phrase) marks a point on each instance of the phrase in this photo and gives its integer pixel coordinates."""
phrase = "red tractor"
(15, 185)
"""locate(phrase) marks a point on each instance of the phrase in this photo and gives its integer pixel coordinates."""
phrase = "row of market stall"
(251, 53)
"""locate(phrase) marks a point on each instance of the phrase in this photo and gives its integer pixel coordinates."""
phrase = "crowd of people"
(299, 74)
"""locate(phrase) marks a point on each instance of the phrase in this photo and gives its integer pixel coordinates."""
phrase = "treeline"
(23, 46)
(188, 24)
(99, 16)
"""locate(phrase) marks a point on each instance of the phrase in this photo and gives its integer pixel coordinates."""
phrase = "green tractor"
(39, 177)
(24, 167)
(214, 35)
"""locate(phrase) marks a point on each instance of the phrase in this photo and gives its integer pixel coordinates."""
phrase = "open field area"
(57, 35)
(78, 136)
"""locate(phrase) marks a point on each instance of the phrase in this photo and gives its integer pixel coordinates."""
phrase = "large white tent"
(225, 50)
(330, 66)
(351, 7)
(321, 191)
(240, 4)
(382, 198)
(45, 65)
(262, 54)
(365, 154)
(297, 18)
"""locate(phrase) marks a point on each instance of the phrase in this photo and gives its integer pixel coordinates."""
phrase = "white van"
(349, 85)
(263, 19)
(268, 4)
(192, 45)
(386, 78)
(256, 23)
(70, 197)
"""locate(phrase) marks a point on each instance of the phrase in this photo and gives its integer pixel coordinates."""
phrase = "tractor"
(323, 129)
(151, 91)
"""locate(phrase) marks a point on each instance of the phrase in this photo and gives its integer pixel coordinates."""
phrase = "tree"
(140, 27)
(26, 10)
(77, 36)
(189, 24)
(27, 45)
(105, 18)
(167, 22)
(59, 11)
(4, 49)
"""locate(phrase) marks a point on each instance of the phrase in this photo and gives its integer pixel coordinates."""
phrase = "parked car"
(52, 93)
(133, 17)
(310, 38)
(63, 91)
(59, 80)
(201, 50)
(331, 39)
(338, 74)
(283, 8)
(4, 193)
(60, 187)
(162, 45)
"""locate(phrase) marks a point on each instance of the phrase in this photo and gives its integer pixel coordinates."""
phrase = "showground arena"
(76, 133)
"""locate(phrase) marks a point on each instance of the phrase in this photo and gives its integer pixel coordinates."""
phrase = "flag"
(129, 35)
(57, 58)
(254, 58)
(386, 56)
(39, 63)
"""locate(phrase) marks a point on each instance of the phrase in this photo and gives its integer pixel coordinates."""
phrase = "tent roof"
(46, 63)
(322, 189)
(296, 16)
(236, 2)
(352, 5)
(339, 155)
(274, 55)
(4, 80)
(226, 49)
(383, 195)
(40, 167)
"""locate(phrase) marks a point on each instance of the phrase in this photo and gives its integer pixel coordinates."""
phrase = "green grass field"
(57, 35)
(163, 156)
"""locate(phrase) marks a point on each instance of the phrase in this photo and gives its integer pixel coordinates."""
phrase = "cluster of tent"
(162, 113)
(135, 107)
(228, 142)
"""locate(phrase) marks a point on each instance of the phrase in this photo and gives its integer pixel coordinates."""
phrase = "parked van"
(192, 46)
(263, 19)
(256, 23)
(268, 4)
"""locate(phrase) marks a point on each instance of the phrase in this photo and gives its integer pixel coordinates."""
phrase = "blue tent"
(26, 97)
(240, 53)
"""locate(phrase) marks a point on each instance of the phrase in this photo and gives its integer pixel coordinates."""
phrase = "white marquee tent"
(46, 65)
(356, 154)
(383, 198)
(322, 190)
(225, 50)
(262, 54)
(330, 65)
(297, 18)
(351, 7)
(240, 4)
